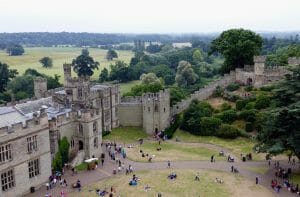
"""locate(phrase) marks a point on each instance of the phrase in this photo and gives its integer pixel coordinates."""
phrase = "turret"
(259, 64)
(40, 87)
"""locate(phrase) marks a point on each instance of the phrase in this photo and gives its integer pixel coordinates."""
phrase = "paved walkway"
(103, 172)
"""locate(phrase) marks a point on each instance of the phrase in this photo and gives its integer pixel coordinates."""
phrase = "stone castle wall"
(204, 93)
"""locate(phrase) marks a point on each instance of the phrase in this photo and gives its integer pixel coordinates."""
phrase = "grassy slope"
(60, 56)
(183, 186)
(237, 146)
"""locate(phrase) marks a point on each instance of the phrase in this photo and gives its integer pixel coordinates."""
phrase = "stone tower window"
(95, 127)
(148, 109)
(95, 142)
(156, 108)
(80, 130)
(80, 93)
(164, 109)
(72, 143)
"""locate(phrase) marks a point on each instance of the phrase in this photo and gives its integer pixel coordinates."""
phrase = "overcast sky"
(148, 16)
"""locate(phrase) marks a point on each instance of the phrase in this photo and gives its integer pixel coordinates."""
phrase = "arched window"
(156, 108)
(96, 142)
(72, 143)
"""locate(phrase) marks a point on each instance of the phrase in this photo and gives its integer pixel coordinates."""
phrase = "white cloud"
(148, 16)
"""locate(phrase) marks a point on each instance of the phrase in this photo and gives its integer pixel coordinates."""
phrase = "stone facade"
(22, 144)
(150, 111)
(40, 87)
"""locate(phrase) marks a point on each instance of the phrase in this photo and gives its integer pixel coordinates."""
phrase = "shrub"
(209, 125)
(228, 131)
(227, 116)
(262, 102)
(218, 92)
(57, 162)
(248, 115)
(248, 88)
(225, 106)
(232, 87)
(267, 88)
(249, 127)
(250, 105)
(173, 127)
(104, 133)
(240, 104)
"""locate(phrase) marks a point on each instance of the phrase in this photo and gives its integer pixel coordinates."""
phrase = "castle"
(81, 111)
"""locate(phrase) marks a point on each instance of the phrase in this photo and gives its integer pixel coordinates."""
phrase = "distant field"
(60, 55)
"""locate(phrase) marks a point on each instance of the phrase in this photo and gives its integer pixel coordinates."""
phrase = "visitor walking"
(256, 180)
(169, 164)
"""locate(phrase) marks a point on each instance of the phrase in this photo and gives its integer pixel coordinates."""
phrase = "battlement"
(131, 99)
(259, 59)
(294, 60)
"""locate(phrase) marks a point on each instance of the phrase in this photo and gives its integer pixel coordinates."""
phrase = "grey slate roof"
(9, 116)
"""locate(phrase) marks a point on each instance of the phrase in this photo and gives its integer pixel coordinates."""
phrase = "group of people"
(54, 179)
(114, 150)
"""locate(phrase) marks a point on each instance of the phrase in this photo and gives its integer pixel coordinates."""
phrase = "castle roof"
(33, 106)
(9, 116)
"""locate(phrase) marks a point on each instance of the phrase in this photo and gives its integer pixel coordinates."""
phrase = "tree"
(149, 78)
(46, 62)
(153, 48)
(111, 54)
(238, 46)
(185, 75)
(103, 75)
(84, 64)
(120, 71)
(57, 162)
(63, 146)
(198, 56)
(164, 72)
(280, 130)
(6, 75)
(15, 49)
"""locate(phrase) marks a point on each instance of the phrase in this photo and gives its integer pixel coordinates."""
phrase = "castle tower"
(259, 64)
(40, 87)
(156, 111)
(67, 71)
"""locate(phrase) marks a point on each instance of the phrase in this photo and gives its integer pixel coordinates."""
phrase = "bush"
(228, 131)
(232, 87)
(240, 104)
(218, 92)
(104, 133)
(225, 106)
(250, 105)
(5, 97)
(267, 88)
(173, 127)
(248, 88)
(248, 115)
(262, 102)
(228, 116)
(209, 125)
(249, 127)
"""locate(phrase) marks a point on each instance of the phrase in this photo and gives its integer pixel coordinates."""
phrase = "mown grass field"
(183, 186)
(60, 55)
(173, 152)
(236, 146)
(126, 135)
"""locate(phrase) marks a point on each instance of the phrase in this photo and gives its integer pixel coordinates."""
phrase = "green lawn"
(126, 135)
(237, 146)
(296, 178)
(126, 87)
(172, 151)
(60, 55)
(184, 186)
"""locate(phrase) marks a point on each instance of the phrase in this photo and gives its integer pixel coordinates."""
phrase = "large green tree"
(46, 62)
(185, 75)
(111, 54)
(84, 65)
(280, 130)
(238, 46)
(103, 75)
(6, 75)
(63, 146)
(15, 50)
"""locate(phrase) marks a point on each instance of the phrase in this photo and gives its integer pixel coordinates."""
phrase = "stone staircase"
(78, 159)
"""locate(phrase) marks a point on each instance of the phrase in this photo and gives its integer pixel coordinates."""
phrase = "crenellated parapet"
(294, 60)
